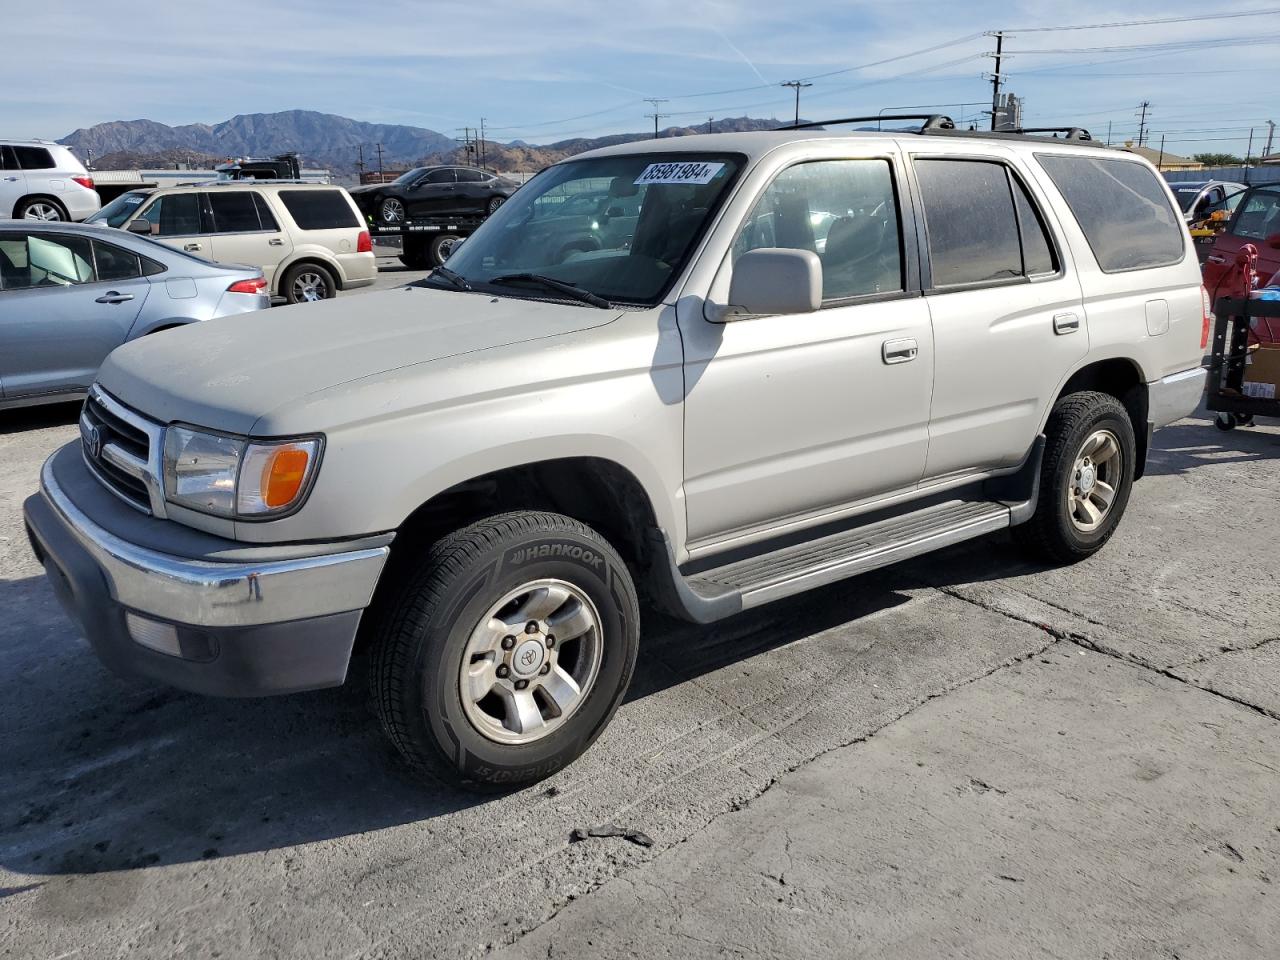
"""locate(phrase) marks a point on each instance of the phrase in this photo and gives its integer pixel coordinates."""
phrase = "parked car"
(1211, 221)
(72, 293)
(1195, 198)
(434, 192)
(309, 239)
(480, 473)
(42, 180)
(1256, 221)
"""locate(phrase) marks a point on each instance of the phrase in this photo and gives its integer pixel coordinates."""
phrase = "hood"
(227, 373)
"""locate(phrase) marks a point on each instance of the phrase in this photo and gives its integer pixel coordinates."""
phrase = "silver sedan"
(71, 293)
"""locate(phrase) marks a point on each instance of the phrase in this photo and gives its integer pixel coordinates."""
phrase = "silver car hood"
(227, 373)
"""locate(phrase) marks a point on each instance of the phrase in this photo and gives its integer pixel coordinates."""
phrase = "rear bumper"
(81, 203)
(246, 628)
(1175, 396)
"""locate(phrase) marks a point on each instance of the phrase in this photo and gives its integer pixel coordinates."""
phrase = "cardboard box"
(1262, 374)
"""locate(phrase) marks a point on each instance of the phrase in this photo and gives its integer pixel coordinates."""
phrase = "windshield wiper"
(457, 279)
(560, 286)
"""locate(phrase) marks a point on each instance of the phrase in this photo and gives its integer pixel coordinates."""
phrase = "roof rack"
(931, 121)
(1069, 133)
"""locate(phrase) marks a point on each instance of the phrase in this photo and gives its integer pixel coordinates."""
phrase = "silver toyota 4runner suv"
(767, 362)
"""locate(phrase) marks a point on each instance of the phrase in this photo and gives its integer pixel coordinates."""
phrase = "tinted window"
(319, 209)
(7, 160)
(472, 176)
(438, 176)
(49, 260)
(1122, 209)
(969, 215)
(265, 216)
(233, 211)
(114, 263)
(1037, 251)
(845, 212)
(1259, 215)
(33, 158)
(176, 214)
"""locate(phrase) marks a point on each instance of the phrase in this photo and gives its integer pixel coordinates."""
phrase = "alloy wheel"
(310, 286)
(1095, 477)
(42, 211)
(392, 211)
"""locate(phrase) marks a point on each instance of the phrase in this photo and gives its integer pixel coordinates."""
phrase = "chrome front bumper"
(1175, 396)
(234, 628)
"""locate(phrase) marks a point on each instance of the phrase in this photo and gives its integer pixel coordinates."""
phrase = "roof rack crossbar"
(1071, 133)
(931, 121)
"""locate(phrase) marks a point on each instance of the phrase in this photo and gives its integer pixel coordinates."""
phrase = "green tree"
(1218, 159)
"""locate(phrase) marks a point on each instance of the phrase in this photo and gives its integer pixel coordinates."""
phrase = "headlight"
(235, 477)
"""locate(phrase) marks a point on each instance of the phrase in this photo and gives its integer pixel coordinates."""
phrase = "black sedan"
(434, 192)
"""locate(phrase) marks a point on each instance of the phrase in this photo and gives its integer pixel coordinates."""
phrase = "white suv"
(41, 180)
(309, 239)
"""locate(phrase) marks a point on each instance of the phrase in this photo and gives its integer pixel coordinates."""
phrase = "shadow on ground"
(22, 419)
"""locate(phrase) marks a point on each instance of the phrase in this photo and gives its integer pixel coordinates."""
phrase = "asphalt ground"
(968, 755)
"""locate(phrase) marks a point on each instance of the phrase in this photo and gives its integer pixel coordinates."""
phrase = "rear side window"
(114, 263)
(1121, 208)
(472, 176)
(971, 222)
(233, 211)
(265, 216)
(34, 158)
(1037, 251)
(319, 209)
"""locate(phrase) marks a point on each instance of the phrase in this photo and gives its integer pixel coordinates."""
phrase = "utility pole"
(1271, 135)
(1142, 121)
(1160, 162)
(656, 115)
(378, 146)
(1248, 154)
(709, 122)
(483, 157)
(1108, 133)
(797, 86)
(995, 81)
(360, 161)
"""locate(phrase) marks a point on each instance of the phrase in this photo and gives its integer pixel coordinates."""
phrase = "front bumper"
(223, 627)
(1175, 396)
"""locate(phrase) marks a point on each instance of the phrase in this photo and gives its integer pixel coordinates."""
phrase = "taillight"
(256, 285)
(86, 182)
(364, 243)
(1207, 323)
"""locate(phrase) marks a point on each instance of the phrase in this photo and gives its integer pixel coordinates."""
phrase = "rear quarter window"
(1123, 210)
(319, 209)
(34, 158)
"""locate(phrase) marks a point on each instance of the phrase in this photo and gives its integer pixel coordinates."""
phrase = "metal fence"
(1270, 173)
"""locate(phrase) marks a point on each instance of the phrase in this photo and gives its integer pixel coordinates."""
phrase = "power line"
(1271, 11)
(1174, 45)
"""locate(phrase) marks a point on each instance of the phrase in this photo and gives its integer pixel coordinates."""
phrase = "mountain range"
(327, 140)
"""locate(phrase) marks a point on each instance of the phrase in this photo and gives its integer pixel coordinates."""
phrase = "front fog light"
(166, 638)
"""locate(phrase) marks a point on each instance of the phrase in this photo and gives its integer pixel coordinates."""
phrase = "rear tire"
(308, 282)
(492, 206)
(467, 674)
(41, 208)
(441, 247)
(1085, 478)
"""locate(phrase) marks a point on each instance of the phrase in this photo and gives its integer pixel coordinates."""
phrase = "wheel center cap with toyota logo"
(527, 658)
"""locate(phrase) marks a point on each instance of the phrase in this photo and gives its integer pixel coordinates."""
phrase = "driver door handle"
(899, 351)
(113, 297)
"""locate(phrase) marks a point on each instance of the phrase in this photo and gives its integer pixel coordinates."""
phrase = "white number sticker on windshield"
(134, 199)
(695, 171)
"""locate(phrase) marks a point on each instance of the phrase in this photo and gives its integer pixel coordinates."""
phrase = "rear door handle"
(191, 246)
(113, 297)
(899, 351)
(276, 242)
(1065, 323)
(11, 179)
(1214, 258)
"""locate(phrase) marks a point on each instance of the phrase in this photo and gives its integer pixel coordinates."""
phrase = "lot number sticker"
(695, 171)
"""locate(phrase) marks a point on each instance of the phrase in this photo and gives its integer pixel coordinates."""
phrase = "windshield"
(120, 209)
(619, 227)
(1187, 196)
(409, 175)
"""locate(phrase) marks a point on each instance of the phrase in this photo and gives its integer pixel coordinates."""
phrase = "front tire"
(502, 657)
(391, 211)
(1085, 478)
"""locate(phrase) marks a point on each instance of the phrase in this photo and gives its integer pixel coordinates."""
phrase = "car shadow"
(104, 773)
(1196, 442)
(22, 419)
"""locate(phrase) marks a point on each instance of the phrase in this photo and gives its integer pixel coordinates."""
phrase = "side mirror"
(773, 281)
(1273, 241)
(144, 227)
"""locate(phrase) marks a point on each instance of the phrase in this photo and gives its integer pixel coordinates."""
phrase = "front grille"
(121, 447)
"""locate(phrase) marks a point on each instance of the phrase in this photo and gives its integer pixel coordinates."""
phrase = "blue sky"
(551, 70)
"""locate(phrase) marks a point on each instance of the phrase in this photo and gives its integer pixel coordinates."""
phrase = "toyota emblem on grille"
(93, 441)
